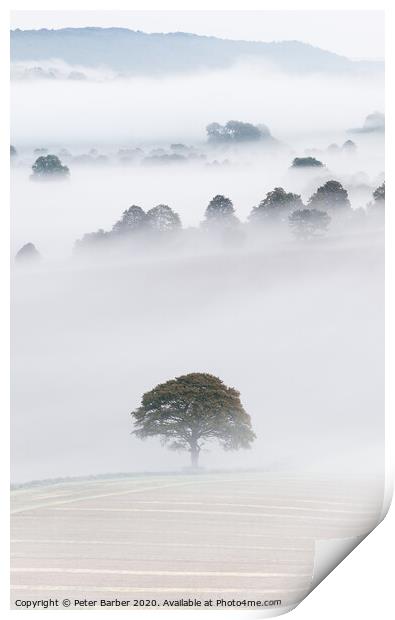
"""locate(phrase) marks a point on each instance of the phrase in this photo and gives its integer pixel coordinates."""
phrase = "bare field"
(231, 536)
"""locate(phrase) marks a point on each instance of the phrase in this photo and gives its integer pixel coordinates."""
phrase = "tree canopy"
(330, 195)
(307, 162)
(374, 123)
(49, 166)
(163, 219)
(349, 146)
(220, 211)
(93, 240)
(379, 194)
(277, 203)
(236, 131)
(160, 219)
(27, 253)
(191, 410)
(132, 220)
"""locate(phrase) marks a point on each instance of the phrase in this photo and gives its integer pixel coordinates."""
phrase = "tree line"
(305, 220)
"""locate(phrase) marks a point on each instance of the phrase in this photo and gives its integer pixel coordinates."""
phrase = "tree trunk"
(194, 457)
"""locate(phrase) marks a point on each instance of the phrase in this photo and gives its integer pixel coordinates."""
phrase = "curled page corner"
(329, 554)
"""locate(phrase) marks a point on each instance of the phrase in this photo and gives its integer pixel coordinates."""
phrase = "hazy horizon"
(311, 27)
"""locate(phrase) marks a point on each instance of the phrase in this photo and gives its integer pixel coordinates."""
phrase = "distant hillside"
(133, 52)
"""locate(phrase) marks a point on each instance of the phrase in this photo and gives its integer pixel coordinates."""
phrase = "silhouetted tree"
(27, 253)
(308, 223)
(163, 219)
(330, 195)
(49, 167)
(133, 219)
(220, 212)
(307, 162)
(277, 204)
(191, 410)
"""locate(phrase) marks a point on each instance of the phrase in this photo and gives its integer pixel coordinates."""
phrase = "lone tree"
(191, 410)
(330, 195)
(49, 167)
(163, 219)
(308, 223)
(276, 204)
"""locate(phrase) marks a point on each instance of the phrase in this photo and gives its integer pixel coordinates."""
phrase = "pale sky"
(356, 34)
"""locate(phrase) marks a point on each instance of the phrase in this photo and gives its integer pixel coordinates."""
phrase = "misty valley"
(114, 291)
(197, 301)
